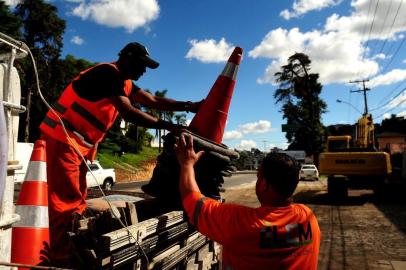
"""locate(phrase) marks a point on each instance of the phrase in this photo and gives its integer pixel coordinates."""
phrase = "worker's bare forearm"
(187, 182)
(137, 116)
(143, 119)
(167, 104)
(160, 103)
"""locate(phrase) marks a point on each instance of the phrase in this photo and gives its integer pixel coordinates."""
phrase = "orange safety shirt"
(258, 238)
(86, 122)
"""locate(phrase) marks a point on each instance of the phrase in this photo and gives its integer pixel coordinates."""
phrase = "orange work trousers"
(67, 191)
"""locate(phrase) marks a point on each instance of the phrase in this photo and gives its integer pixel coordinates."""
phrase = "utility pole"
(365, 89)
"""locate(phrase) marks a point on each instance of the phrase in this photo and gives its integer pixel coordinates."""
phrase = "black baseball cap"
(135, 50)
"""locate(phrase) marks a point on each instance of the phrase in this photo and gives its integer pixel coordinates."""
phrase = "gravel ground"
(362, 232)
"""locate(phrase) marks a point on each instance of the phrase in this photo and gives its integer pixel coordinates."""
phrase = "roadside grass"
(128, 161)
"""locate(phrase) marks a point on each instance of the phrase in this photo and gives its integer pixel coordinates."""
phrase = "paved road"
(235, 181)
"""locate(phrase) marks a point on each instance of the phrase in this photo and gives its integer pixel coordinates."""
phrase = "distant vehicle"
(105, 177)
(309, 171)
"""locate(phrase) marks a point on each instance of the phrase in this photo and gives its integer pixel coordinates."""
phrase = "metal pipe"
(18, 45)
(16, 107)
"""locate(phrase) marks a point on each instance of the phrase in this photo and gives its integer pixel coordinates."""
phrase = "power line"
(363, 34)
(372, 25)
(379, 106)
(391, 27)
(393, 57)
(386, 39)
(382, 28)
(398, 94)
(403, 100)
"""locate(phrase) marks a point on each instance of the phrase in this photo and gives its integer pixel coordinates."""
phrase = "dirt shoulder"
(140, 174)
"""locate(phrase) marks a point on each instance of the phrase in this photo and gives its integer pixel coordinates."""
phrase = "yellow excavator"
(354, 161)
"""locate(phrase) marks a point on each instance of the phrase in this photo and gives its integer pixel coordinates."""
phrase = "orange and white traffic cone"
(209, 122)
(30, 235)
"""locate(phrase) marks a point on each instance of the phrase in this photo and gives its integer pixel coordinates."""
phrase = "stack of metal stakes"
(209, 170)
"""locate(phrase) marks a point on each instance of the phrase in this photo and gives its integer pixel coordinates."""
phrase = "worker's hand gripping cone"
(209, 122)
(30, 235)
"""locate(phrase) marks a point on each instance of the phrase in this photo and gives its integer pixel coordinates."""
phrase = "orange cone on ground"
(209, 122)
(30, 235)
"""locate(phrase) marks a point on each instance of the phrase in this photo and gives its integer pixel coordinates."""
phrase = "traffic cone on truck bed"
(209, 122)
(30, 235)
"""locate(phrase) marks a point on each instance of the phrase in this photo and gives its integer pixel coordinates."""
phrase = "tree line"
(36, 23)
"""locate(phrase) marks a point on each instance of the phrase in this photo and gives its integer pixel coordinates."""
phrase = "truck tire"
(337, 187)
(108, 184)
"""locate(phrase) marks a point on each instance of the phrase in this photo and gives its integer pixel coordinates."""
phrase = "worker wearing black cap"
(88, 107)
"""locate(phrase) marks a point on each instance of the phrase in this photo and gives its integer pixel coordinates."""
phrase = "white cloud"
(77, 40)
(261, 126)
(12, 3)
(335, 56)
(404, 61)
(386, 116)
(231, 135)
(129, 14)
(379, 56)
(393, 76)
(246, 145)
(284, 145)
(338, 51)
(401, 114)
(301, 7)
(210, 51)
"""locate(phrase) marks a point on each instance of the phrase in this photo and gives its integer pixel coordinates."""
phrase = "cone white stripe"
(230, 71)
(32, 216)
(36, 171)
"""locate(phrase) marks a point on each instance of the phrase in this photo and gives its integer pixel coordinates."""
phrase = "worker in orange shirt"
(88, 107)
(277, 235)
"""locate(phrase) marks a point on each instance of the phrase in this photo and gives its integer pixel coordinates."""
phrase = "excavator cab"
(365, 129)
(338, 143)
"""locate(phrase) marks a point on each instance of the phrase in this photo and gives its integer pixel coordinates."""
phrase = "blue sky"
(346, 40)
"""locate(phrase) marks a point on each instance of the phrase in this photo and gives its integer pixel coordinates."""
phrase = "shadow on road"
(391, 201)
(316, 197)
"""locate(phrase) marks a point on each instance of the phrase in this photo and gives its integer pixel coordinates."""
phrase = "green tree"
(164, 115)
(393, 124)
(180, 118)
(42, 31)
(64, 71)
(10, 24)
(299, 93)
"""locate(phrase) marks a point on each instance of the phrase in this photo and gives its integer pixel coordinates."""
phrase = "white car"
(105, 177)
(309, 171)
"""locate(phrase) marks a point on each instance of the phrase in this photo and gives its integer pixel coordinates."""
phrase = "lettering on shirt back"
(290, 235)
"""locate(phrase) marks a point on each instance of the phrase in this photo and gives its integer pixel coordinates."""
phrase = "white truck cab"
(106, 178)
